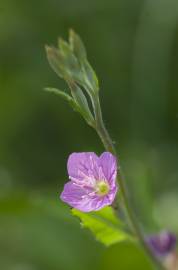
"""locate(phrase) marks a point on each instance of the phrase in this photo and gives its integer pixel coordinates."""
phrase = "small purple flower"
(92, 182)
(163, 243)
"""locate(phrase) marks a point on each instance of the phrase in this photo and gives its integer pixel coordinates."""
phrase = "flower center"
(102, 188)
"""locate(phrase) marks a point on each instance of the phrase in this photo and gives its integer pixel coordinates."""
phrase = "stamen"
(102, 188)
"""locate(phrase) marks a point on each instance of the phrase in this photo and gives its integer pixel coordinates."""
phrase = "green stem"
(108, 144)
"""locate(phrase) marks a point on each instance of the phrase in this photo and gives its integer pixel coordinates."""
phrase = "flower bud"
(162, 244)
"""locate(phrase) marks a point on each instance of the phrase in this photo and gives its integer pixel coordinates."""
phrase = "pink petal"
(72, 193)
(80, 199)
(82, 165)
(76, 197)
(109, 166)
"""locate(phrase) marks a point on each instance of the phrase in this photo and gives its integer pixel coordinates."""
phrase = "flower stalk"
(109, 146)
(70, 62)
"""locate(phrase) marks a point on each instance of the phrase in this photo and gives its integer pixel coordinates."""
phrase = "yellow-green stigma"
(102, 188)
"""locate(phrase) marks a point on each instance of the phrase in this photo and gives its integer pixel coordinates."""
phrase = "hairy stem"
(109, 146)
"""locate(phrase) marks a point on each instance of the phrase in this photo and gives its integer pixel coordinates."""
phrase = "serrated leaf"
(106, 227)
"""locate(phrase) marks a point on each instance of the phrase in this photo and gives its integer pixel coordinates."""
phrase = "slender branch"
(109, 146)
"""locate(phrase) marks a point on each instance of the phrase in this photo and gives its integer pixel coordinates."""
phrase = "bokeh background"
(133, 46)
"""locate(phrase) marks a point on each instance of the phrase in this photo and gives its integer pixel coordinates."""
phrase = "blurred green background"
(133, 46)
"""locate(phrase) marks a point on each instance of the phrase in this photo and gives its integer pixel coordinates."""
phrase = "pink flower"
(92, 182)
(163, 243)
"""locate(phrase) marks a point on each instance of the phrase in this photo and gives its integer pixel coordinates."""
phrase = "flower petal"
(72, 193)
(109, 166)
(112, 194)
(82, 199)
(82, 165)
(163, 243)
(85, 169)
(76, 197)
(100, 202)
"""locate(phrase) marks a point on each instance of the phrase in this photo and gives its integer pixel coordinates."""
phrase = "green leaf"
(63, 62)
(82, 103)
(78, 103)
(56, 60)
(70, 59)
(58, 92)
(78, 49)
(65, 96)
(90, 76)
(77, 46)
(104, 224)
